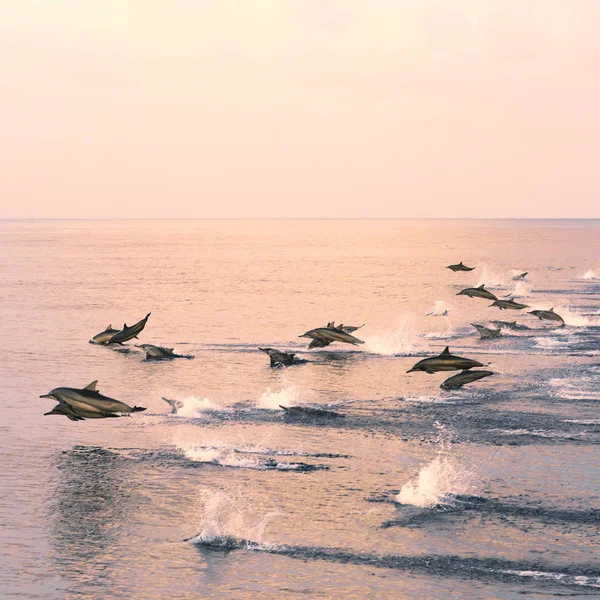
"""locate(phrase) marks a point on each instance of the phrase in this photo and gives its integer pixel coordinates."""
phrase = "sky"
(299, 108)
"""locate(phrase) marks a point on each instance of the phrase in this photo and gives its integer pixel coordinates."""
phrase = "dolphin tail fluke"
(138, 408)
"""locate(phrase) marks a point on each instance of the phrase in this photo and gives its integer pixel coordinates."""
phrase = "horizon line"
(299, 218)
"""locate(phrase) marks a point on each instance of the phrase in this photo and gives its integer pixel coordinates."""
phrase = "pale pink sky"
(300, 108)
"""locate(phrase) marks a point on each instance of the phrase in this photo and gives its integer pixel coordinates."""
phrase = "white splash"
(194, 407)
(489, 278)
(224, 517)
(275, 400)
(440, 309)
(522, 290)
(590, 275)
(441, 480)
(402, 341)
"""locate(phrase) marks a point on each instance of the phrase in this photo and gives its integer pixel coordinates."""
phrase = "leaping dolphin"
(323, 336)
(104, 336)
(346, 328)
(548, 315)
(128, 333)
(510, 325)
(279, 358)
(62, 408)
(466, 376)
(444, 362)
(157, 352)
(487, 333)
(509, 305)
(90, 400)
(478, 292)
(459, 267)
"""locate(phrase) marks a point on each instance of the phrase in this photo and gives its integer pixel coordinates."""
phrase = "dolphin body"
(346, 328)
(280, 359)
(90, 400)
(445, 362)
(464, 377)
(459, 267)
(509, 305)
(104, 336)
(520, 277)
(510, 325)
(477, 292)
(128, 333)
(174, 404)
(487, 333)
(548, 315)
(157, 352)
(62, 408)
(323, 336)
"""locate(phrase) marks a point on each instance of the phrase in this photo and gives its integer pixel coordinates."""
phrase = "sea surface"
(410, 491)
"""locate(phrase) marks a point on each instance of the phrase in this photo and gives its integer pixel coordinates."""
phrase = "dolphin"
(128, 333)
(278, 358)
(459, 267)
(62, 408)
(477, 292)
(548, 315)
(346, 328)
(104, 336)
(510, 325)
(157, 352)
(89, 399)
(444, 362)
(520, 277)
(509, 305)
(174, 404)
(464, 377)
(323, 336)
(486, 333)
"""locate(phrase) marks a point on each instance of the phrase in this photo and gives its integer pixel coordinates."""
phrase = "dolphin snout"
(46, 396)
(411, 370)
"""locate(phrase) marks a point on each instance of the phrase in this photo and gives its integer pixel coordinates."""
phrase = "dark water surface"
(489, 491)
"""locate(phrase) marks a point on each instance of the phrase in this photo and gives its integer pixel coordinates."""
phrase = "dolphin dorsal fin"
(552, 309)
(514, 322)
(124, 325)
(446, 350)
(108, 328)
(92, 386)
(340, 326)
(511, 299)
(481, 286)
(170, 350)
(460, 263)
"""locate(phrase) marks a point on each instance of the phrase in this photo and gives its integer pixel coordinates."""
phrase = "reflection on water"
(92, 499)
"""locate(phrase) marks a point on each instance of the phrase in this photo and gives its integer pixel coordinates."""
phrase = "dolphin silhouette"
(128, 333)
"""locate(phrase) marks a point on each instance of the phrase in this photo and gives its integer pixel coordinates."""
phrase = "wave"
(590, 275)
(469, 568)
(229, 457)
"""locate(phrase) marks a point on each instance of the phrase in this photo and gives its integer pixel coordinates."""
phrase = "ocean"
(407, 491)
